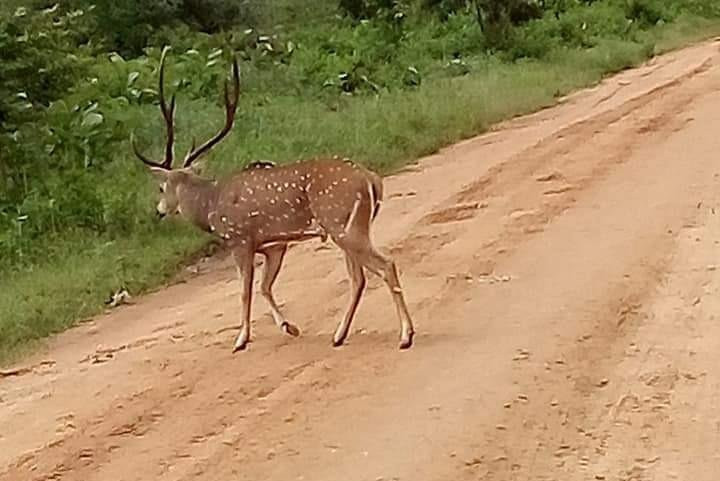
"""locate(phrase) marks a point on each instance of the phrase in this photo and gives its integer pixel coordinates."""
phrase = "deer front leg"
(273, 261)
(357, 287)
(246, 270)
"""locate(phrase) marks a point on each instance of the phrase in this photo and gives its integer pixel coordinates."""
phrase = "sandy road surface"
(562, 274)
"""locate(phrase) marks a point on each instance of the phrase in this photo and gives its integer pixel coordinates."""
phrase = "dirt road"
(564, 275)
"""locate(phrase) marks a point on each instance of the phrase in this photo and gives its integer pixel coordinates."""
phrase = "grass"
(384, 132)
(76, 282)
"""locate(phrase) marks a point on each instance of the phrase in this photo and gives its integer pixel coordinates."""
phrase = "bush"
(359, 9)
(43, 54)
(444, 9)
(646, 13)
(129, 25)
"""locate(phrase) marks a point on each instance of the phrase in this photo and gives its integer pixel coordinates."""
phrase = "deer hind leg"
(354, 238)
(274, 257)
(376, 262)
(357, 283)
(244, 261)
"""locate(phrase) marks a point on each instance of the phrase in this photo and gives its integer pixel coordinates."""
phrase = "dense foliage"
(77, 77)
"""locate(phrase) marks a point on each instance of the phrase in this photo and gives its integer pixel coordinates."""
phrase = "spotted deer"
(263, 208)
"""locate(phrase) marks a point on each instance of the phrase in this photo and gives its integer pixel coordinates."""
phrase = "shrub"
(129, 25)
(359, 9)
(646, 13)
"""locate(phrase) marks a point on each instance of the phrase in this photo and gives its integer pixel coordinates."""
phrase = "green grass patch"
(78, 279)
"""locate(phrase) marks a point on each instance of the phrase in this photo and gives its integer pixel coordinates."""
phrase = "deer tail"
(377, 186)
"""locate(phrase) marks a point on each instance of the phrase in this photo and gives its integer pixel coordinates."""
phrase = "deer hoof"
(290, 329)
(241, 343)
(407, 341)
(338, 340)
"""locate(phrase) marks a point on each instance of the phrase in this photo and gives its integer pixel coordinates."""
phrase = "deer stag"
(263, 208)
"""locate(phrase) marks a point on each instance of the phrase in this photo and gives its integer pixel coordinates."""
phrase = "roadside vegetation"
(381, 81)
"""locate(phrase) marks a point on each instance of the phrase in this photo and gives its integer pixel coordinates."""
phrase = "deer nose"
(160, 215)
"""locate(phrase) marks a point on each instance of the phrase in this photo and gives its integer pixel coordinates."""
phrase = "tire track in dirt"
(188, 399)
(544, 182)
(644, 375)
(563, 438)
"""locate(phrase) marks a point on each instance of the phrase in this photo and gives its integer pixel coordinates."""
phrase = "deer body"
(263, 208)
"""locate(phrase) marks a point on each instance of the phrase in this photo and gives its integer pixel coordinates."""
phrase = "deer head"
(172, 180)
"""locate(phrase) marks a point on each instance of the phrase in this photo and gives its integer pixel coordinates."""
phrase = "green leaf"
(132, 77)
(92, 119)
(116, 58)
(52, 9)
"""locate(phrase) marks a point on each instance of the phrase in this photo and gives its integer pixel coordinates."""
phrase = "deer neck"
(197, 198)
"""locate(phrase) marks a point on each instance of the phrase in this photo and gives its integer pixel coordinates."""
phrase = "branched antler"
(168, 113)
(231, 104)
